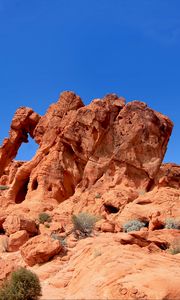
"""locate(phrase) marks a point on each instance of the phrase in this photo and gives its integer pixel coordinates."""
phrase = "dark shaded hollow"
(150, 185)
(21, 194)
(110, 209)
(146, 223)
(34, 184)
(162, 246)
(50, 188)
(2, 231)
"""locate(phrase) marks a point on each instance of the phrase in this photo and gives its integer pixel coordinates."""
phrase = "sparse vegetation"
(23, 285)
(141, 192)
(172, 223)
(61, 239)
(133, 225)
(97, 253)
(44, 217)
(175, 247)
(84, 224)
(4, 187)
(98, 195)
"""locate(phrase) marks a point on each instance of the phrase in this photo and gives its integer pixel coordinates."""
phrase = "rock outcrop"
(104, 158)
(106, 140)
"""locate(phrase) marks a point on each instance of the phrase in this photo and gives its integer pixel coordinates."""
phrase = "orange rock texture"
(104, 158)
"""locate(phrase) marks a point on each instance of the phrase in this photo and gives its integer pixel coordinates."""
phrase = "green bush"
(44, 217)
(84, 223)
(23, 285)
(4, 187)
(133, 225)
(172, 224)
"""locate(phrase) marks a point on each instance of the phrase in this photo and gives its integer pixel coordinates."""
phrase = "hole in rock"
(27, 150)
(79, 147)
(68, 184)
(95, 133)
(110, 209)
(34, 184)
(162, 246)
(2, 231)
(69, 149)
(150, 185)
(50, 188)
(21, 193)
(146, 223)
(105, 123)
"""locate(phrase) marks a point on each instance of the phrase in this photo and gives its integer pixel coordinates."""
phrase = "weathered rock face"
(104, 158)
(105, 141)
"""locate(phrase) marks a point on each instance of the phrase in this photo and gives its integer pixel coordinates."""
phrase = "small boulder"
(15, 223)
(17, 239)
(40, 249)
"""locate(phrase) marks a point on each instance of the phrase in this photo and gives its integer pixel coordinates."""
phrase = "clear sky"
(92, 47)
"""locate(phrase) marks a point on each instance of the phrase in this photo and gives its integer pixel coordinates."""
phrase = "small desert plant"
(98, 195)
(61, 239)
(23, 285)
(133, 225)
(4, 187)
(141, 192)
(44, 217)
(97, 253)
(172, 224)
(84, 223)
(175, 247)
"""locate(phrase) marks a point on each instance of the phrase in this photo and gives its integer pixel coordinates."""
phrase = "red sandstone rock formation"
(80, 145)
(105, 158)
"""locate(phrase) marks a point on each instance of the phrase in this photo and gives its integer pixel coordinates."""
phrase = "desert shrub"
(141, 192)
(61, 239)
(44, 217)
(23, 285)
(133, 225)
(84, 223)
(175, 247)
(172, 224)
(98, 195)
(4, 187)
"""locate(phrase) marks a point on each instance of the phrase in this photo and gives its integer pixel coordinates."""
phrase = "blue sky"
(93, 47)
